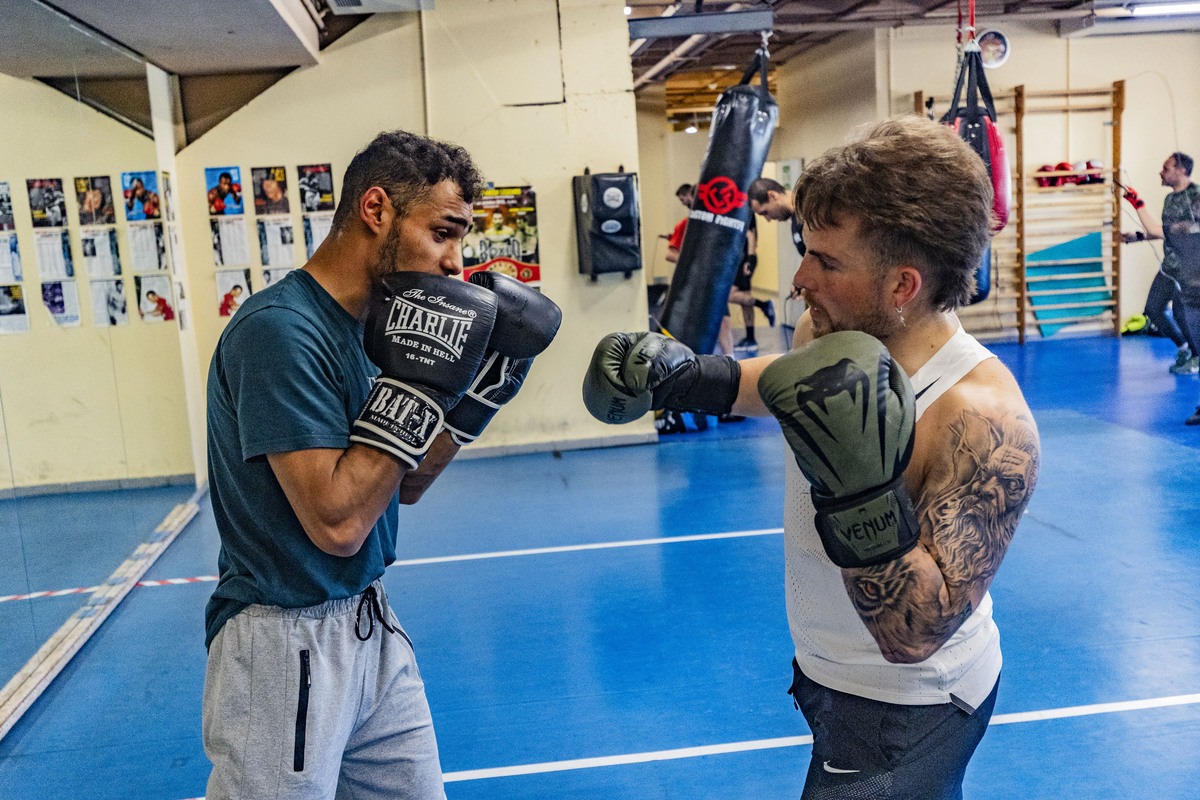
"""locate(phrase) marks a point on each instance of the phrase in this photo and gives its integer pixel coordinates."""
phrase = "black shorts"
(867, 749)
(742, 280)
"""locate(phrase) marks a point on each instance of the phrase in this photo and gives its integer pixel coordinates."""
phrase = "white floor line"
(794, 741)
(703, 537)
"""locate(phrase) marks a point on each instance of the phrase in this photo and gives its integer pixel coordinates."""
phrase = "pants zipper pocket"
(302, 713)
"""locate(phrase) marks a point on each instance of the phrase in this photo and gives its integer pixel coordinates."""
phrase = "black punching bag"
(742, 125)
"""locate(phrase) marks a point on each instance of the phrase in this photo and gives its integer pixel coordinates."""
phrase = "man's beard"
(386, 260)
(876, 318)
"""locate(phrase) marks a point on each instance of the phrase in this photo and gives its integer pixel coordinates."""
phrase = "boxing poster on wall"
(47, 203)
(270, 190)
(7, 223)
(224, 185)
(13, 318)
(61, 298)
(155, 303)
(504, 237)
(108, 303)
(10, 259)
(95, 200)
(233, 287)
(147, 246)
(168, 197)
(316, 187)
(231, 247)
(140, 190)
(275, 242)
(100, 256)
(53, 250)
(316, 228)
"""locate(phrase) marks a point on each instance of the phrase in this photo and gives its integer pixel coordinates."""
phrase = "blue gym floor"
(658, 669)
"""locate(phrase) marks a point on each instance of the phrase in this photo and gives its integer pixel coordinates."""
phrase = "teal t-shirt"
(289, 373)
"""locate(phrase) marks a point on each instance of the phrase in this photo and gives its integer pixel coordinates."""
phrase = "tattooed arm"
(972, 475)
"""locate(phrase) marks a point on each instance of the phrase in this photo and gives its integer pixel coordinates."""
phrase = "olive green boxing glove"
(848, 413)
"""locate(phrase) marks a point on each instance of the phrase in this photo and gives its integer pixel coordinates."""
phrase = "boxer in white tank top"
(921, 487)
(897, 663)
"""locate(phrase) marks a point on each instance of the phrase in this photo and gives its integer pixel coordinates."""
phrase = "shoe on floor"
(1190, 366)
(700, 421)
(769, 313)
(735, 418)
(1194, 419)
(747, 345)
(670, 422)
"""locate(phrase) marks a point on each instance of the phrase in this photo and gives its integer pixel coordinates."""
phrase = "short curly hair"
(407, 167)
(920, 194)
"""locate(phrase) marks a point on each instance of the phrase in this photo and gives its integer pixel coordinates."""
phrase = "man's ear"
(375, 210)
(907, 284)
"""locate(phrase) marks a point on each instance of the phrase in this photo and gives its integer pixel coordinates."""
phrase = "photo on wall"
(10, 259)
(95, 200)
(53, 250)
(154, 298)
(147, 246)
(13, 318)
(276, 242)
(61, 298)
(224, 185)
(101, 259)
(270, 190)
(140, 190)
(316, 187)
(504, 237)
(7, 222)
(316, 228)
(47, 203)
(233, 287)
(231, 246)
(108, 303)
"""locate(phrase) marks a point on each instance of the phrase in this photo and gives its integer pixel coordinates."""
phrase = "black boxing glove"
(634, 373)
(526, 323)
(428, 335)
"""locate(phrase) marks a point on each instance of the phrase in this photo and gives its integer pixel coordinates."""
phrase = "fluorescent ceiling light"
(628, 11)
(1163, 9)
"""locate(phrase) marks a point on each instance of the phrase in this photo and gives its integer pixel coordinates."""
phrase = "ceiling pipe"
(678, 54)
(903, 22)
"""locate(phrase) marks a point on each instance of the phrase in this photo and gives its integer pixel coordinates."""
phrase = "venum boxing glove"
(428, 335)
(848, 413)
(526, 323)
(633, 373)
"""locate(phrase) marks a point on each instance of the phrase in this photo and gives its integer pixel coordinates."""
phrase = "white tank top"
(833, 646)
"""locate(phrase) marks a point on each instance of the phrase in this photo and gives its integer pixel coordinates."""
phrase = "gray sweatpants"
(297, 707)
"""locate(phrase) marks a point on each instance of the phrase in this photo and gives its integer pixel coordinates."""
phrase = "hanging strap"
(758, 64)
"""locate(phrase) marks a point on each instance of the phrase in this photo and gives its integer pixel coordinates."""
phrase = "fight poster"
(316, 187)
(233, 287)
(108, 303)
(61, 298)
(270, 190)
(276, 242)
(272, 275)
(154, 298)
(7, 223)
(95, 200)
(224, 185)
(47, 203)
(10, 259)
(13, 318)
(53, 250)
(140, 191)
(101, 259)
(504, 237)
(316, 228)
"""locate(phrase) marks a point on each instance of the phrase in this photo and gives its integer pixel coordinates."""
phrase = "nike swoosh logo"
(837, 771)
(917, 395)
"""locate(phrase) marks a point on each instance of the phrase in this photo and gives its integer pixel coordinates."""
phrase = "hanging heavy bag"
(976, 125)
(742, 125)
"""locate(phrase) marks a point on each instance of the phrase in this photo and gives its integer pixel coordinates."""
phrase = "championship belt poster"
(504, 237)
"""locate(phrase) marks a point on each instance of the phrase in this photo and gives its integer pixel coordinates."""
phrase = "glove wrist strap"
(713, 390)
(869, 528)
(398, 419)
